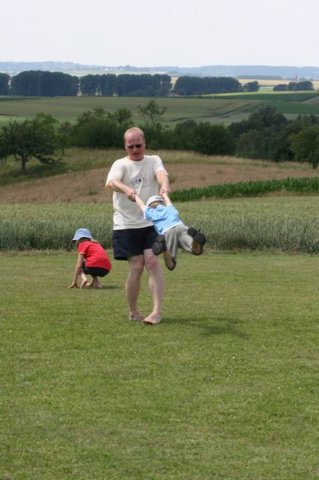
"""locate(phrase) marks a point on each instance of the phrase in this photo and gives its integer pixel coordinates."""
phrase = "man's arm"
(118, 186)
(163, 180)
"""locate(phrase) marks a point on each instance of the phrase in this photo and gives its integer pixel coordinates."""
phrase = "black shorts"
(132, 242)
(95, 271)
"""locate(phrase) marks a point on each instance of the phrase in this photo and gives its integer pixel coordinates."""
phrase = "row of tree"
(294, 86)
(39, 83)
(50, 84)
(266, 134)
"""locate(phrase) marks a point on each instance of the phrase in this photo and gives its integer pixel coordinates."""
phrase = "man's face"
(135, 146)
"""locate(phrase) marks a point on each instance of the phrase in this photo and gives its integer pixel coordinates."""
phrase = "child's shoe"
(199, 241)
(159, 245)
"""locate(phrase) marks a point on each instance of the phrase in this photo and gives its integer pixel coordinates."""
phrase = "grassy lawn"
(226, 387)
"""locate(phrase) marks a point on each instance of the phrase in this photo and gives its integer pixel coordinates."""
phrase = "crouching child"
(92, 260)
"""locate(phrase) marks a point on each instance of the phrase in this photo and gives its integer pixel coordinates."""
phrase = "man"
(133, 236)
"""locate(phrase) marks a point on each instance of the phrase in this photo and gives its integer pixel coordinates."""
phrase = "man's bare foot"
(152, 319)
(84, 283)
(139, 317)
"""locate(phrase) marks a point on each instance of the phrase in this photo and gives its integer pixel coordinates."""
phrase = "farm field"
(178, 109)
(223, 109)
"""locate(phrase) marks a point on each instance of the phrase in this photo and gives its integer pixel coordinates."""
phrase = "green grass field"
(223, 109)
(226, 387)
(286, 223)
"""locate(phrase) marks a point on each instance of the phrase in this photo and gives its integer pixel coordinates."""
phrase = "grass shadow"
(109, 287)
(211, 326)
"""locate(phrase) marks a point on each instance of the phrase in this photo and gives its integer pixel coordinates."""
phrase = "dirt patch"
(88, 186)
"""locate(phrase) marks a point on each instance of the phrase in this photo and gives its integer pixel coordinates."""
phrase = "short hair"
(134, 130)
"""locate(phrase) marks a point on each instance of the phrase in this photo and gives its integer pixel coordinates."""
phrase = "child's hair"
(85, 239)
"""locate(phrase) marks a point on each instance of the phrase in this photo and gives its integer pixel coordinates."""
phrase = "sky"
(150, 33)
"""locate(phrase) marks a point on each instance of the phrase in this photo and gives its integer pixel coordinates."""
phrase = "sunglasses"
(137, 145)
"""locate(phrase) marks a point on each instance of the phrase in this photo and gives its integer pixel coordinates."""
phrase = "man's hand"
(165, 189)
(131, 195)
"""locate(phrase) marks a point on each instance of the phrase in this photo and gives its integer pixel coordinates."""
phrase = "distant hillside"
(236, 71)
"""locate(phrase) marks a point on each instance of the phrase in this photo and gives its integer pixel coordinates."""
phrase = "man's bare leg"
(133, 283)
(156, 286)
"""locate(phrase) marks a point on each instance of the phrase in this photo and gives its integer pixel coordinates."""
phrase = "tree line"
(38, 83)
(294, 86)
(266, 135)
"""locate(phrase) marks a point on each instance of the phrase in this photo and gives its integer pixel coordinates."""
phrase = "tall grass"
(288, 223)
(49, 226)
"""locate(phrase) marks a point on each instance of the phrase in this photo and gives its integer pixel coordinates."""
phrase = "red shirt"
(94, 254)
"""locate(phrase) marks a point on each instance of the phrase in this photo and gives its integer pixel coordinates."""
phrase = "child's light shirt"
(163, 218)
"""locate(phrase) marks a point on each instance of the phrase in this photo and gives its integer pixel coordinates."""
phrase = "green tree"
(303, 85)
(98, 129)
(305, 145)
(4, 84)
(281, 87)
(266, 117)
(48, 84)
(36, 138)
(213, 139)
(89, 85)
(252, 144)
(122, 117)
(251, 87)
(152, 114)
(198, 86)
(184, 134)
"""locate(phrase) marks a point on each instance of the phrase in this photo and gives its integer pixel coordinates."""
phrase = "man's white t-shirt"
(141, 176)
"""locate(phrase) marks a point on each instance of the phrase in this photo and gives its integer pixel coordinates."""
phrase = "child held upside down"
(173, 233)
(92, 260)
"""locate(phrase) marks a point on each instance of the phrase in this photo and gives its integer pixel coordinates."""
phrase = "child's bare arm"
(77, 271)
(140, 202)
(166, 198)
